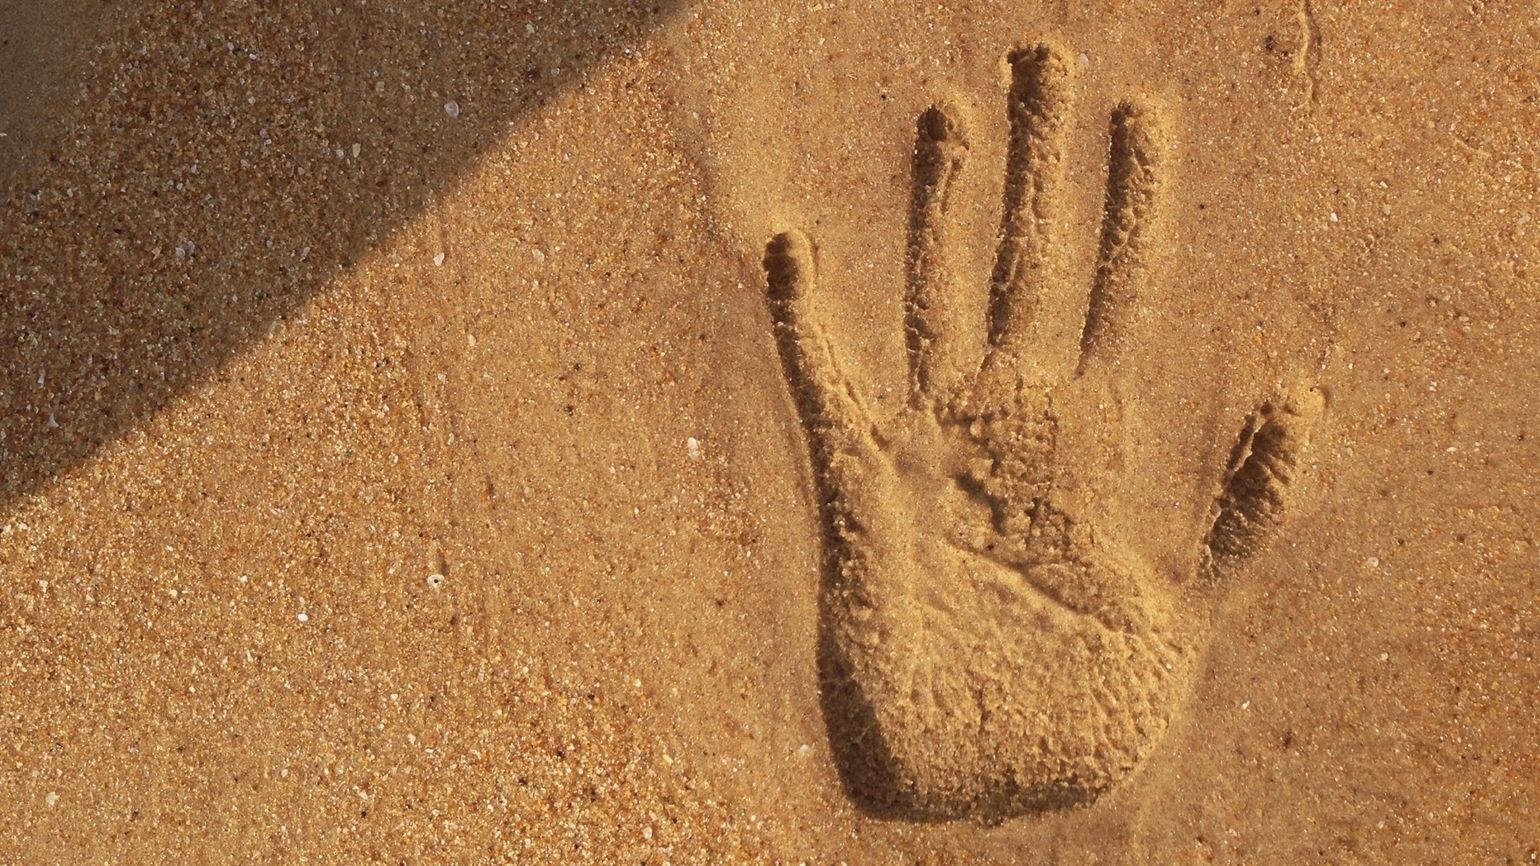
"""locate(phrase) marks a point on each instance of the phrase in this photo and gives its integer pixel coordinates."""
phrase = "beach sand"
(540, 432)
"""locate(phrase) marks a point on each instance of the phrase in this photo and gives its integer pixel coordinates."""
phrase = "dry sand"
(412, 453)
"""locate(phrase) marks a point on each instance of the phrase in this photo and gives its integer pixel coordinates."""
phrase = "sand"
(746, 432)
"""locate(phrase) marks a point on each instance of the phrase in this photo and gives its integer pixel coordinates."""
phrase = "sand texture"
(759, 432)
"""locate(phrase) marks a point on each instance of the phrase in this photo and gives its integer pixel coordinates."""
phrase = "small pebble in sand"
(452, 108)
(52, 799)
(302, 616)
(692, 445)
(438, 260)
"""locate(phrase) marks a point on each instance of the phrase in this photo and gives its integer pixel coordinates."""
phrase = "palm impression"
(988, 651)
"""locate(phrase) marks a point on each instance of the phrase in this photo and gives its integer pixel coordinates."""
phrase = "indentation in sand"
(987, 651)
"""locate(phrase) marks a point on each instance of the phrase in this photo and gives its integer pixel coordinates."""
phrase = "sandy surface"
(407, 457)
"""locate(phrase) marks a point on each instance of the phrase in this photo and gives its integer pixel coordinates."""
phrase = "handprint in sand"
(988, 650)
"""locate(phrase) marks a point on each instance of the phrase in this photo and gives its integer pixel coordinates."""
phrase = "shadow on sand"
(227, 161)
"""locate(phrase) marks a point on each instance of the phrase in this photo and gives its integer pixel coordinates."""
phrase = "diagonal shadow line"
(201, 195)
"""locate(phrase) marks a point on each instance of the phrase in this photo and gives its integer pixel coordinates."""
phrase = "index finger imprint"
(1132, 180)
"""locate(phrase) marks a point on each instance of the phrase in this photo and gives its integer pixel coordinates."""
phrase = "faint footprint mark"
(985, 651)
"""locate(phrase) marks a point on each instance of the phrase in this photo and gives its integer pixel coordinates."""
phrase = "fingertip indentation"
(788, 264)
